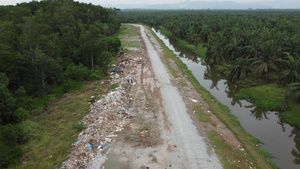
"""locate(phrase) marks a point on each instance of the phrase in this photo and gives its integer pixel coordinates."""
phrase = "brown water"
(279, 138)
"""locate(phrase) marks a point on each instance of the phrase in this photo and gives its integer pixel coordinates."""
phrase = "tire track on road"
(184, 133)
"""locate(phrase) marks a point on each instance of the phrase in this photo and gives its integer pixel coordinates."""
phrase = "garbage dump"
(109, 114)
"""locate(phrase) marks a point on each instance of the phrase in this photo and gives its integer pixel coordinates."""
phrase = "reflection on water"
(295, 151)
(212, 75)
(279, 138)
(231, 91)
(258, 113)
(184, 52)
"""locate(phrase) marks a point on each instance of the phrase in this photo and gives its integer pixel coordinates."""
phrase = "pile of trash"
(109, 115)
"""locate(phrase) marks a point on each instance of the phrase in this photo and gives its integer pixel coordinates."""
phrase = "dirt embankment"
(148, 122)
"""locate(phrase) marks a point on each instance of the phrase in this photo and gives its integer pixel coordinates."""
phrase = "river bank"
(249, 142)
(282, 143)
(291, 115)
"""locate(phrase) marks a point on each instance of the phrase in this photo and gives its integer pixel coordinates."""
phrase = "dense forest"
(48, 48)
(260, 45)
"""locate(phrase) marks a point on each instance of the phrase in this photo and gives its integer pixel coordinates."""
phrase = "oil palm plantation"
(215, 53)
(268, 58)
(291, 70)
(233, 50)
(294, 91)
(252, 50)
(240, 70)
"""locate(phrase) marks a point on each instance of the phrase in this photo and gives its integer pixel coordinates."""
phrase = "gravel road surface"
(184, 132)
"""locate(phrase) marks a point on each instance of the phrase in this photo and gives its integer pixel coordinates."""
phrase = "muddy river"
(279, 138)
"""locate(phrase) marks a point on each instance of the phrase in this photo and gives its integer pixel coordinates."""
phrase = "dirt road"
(163, 133)
(184, 133)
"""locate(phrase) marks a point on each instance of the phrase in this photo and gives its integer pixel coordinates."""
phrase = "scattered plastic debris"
(109, 114)
(90, 147)
(193, 100)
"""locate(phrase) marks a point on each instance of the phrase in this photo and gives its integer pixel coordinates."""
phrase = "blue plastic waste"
(77, 142)
(90, 147)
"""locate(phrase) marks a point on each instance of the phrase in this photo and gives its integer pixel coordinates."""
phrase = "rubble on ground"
(109, 114)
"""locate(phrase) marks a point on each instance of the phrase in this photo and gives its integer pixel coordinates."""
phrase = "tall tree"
(291, 71)
(240, 70)
(232, 49)
(268, 60)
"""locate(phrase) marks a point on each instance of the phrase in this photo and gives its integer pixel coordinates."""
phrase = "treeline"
(48, 47)
(260, 45)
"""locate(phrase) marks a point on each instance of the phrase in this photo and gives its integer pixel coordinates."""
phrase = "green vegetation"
(80, 126)
(165, 32)
(252, 48)
(50, 134)
(271, 97)
(254, 153)
(200, 49)
(47, 48)
(267, 97)
(292, 115)
(114, 86)
(129, 39)
(231, 157)
(201, 115)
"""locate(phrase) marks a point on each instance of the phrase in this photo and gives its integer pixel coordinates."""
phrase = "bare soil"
(152, 139)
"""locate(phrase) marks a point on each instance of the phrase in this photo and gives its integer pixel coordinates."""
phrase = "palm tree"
(257, 112)
(294, 91)
(212, 74)
(205, 33)
(291, 72)
(268, 59)
(216, 50)
(231, 90)
(291, 45)
(240, 70)
(233, 50)
(193, 36)
(252, 50)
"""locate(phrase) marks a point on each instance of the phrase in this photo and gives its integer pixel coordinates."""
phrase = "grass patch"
(129, 37)
(250, 82)
(114, 86)
(68, 86)
(267, 97)
(292, 115)
(173, 71)
(51, 133)
(254, 153)
(201, 50)
(201, 115)
(230, 157)
(165, 31)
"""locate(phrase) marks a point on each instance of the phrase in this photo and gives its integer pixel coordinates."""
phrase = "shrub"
(28, 129)
(70, 85)
(10, 150)
(114, 86)
(7, 105)
(20, 115)
(80, 126)
(76, 72)
(96, 75)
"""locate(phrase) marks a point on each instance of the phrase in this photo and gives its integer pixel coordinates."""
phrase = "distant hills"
(189, 4)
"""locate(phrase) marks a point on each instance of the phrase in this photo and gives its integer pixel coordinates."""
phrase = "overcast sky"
(101, 2)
